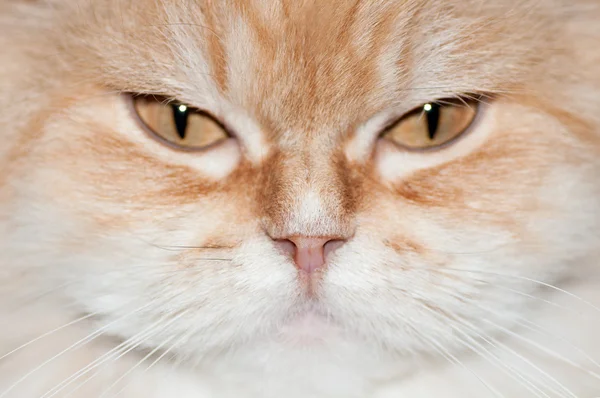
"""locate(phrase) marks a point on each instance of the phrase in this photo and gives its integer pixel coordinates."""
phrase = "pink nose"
(309, 253)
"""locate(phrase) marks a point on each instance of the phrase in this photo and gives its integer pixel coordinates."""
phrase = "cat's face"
(194, 246)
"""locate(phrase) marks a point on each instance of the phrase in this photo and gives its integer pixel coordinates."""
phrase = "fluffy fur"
(129, 269)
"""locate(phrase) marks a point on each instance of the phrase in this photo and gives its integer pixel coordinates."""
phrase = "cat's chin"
(309, 328)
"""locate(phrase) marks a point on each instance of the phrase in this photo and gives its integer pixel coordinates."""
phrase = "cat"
(299, 198)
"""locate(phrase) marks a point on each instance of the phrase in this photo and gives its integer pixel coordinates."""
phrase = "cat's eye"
(433, 124)
(178, 124)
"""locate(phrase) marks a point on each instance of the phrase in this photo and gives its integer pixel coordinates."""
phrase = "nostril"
(286, 247)
(331, 246)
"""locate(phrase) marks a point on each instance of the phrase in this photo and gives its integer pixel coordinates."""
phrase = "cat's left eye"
(433, 124)
(178, 124)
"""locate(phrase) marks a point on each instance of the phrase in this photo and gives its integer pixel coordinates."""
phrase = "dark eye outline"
(460, 100)
(131, 98)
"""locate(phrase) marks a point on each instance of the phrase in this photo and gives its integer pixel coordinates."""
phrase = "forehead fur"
(307, 64)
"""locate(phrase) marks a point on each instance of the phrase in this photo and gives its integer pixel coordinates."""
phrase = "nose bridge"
(309, 198)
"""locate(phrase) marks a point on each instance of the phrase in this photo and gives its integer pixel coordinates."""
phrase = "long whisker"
(75, 345)
(157, 360)
(164, 354)
(131, 342)
(132, 270)
(549, 377)
(137, 365)
(541, 348)
(527, 324)
(119, 351)
(34, 298)
(546, 350)
(122, 389)
(524, 278)
(182, 247)
(81, 384)
(532, 326)
(532, 297)
(445, 353)
(484, 353)
(505, 288)
(83, 318)
(496, 343)
(452, 359)
(536, 328)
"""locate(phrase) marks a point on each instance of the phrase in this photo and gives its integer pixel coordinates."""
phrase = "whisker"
(532, 326)
(484, 353)
(535, 328)
(184, 247)
(176, 248)
(157, 360)
(32, 299)
(164, 354)
(156, 270)
(120, 350)
(524, 278)
(532, 297)
(452, 359)
(87, 316)
(445, 353)
(131, 342)
(133, 368)
(77, 344)
(497, 344)
(509, 289)
(547, 351)
(81, 384)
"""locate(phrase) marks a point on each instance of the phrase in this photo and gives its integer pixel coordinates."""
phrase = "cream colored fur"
(129, 269)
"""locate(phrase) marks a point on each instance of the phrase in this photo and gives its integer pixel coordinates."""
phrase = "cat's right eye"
(178, 124)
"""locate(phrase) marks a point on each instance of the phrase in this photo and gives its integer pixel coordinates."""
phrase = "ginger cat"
(299, 198)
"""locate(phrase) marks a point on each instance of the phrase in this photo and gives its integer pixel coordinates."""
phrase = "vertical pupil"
(432, 111)
(180, 115)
